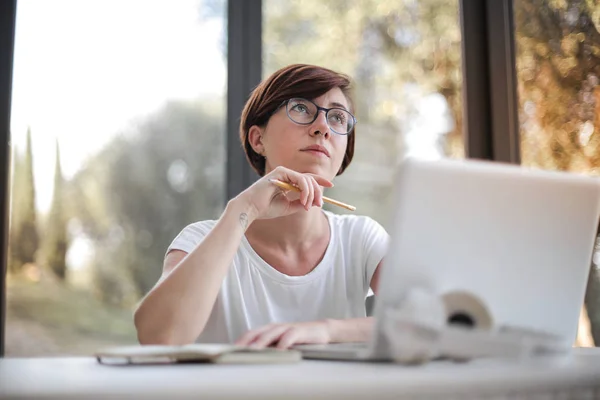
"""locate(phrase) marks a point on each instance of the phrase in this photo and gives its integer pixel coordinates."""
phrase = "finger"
(318, 194)
(303, 185)
(288, 339)
(248, 337)
(251, 335)
(321, 181)
(301, 181)
(311, 193)
(269, 337)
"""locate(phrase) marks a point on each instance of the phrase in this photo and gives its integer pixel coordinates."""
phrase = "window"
(558, 59)
(558, 70)
(118, 131)
(405, 60)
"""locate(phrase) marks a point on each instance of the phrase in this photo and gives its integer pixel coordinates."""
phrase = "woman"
(276, 269)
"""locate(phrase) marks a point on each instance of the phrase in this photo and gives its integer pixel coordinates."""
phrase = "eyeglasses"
(305, 112)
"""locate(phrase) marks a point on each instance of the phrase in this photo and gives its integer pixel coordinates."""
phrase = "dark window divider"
(244, 73)
(8, 15)
(489, 80)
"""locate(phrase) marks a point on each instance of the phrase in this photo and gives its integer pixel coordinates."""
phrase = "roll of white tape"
(463, 308)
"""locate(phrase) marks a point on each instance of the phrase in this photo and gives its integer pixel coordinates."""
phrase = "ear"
(255, 138)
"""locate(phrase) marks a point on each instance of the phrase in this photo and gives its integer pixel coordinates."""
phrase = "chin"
(317, 170)
(312, 168)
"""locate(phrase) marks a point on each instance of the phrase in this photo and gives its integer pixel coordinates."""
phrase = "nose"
(320, 127)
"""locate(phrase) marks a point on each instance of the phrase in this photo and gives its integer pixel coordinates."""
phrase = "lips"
(316, 147)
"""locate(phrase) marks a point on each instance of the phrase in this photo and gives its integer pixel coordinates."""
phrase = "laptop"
(521, 240)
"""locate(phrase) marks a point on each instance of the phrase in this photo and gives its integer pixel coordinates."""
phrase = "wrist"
(242, 209)
(349, 330)
(333, 330)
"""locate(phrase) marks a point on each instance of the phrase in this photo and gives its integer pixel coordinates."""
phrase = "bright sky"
(84, 69)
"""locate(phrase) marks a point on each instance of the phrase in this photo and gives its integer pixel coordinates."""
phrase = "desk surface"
(66, 378)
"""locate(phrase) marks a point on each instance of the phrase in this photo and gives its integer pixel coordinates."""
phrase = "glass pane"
(118, 143)
(558, 70)
(558, 67)
(405, 59)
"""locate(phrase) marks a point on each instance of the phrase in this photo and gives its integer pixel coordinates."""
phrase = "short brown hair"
(298, 80)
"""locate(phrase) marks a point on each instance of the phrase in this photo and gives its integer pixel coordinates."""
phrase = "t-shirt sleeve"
(191, 236)
(376, 240)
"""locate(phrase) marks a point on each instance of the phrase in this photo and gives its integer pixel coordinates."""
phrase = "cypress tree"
(56, 230)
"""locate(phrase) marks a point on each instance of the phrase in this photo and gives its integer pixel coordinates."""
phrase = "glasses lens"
(304, 112)
(340, 121)
(301, 111)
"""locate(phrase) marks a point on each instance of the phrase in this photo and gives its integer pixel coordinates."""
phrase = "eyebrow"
(339, 105)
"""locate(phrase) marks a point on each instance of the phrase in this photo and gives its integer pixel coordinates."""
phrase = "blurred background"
(119, 132)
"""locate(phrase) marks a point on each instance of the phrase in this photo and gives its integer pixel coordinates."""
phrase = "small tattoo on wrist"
(244, 220)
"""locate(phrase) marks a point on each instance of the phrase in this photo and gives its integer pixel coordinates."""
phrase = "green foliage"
(592, 302)
(55, 239)
(134, 197)
(558, 64)
(14, 263)
(49, 318)
(385, 46)
(24, 239)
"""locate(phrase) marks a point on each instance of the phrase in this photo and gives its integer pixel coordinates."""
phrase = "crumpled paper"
(417, 331)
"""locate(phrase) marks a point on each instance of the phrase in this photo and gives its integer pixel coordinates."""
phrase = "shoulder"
(200, 228)
(191, 235)
(355, 226)
(351, 222)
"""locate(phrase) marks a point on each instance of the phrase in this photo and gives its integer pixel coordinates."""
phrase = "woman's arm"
(375, 278)
(175, 311)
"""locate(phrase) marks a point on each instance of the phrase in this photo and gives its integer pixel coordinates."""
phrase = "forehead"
(333, 98)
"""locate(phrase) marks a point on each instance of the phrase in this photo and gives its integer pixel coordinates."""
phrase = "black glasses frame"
(319, 108)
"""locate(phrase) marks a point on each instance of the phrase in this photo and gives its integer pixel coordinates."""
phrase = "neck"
(292, 231)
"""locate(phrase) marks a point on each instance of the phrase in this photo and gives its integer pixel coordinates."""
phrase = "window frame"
(8, 14)
(490, 103)
(244, 73)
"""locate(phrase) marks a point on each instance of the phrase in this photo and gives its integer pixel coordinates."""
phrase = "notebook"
(194, 353)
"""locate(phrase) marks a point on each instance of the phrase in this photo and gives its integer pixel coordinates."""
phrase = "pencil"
(289, 186)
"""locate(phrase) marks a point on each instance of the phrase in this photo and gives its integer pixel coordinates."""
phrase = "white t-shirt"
(254, 294)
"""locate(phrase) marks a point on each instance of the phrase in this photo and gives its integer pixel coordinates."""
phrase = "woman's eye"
(300, 108)
(338, 117)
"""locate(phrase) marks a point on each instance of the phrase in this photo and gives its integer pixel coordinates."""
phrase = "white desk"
(67, 378)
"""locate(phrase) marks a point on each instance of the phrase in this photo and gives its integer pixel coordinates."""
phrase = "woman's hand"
(270, 201)
(286, 335)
